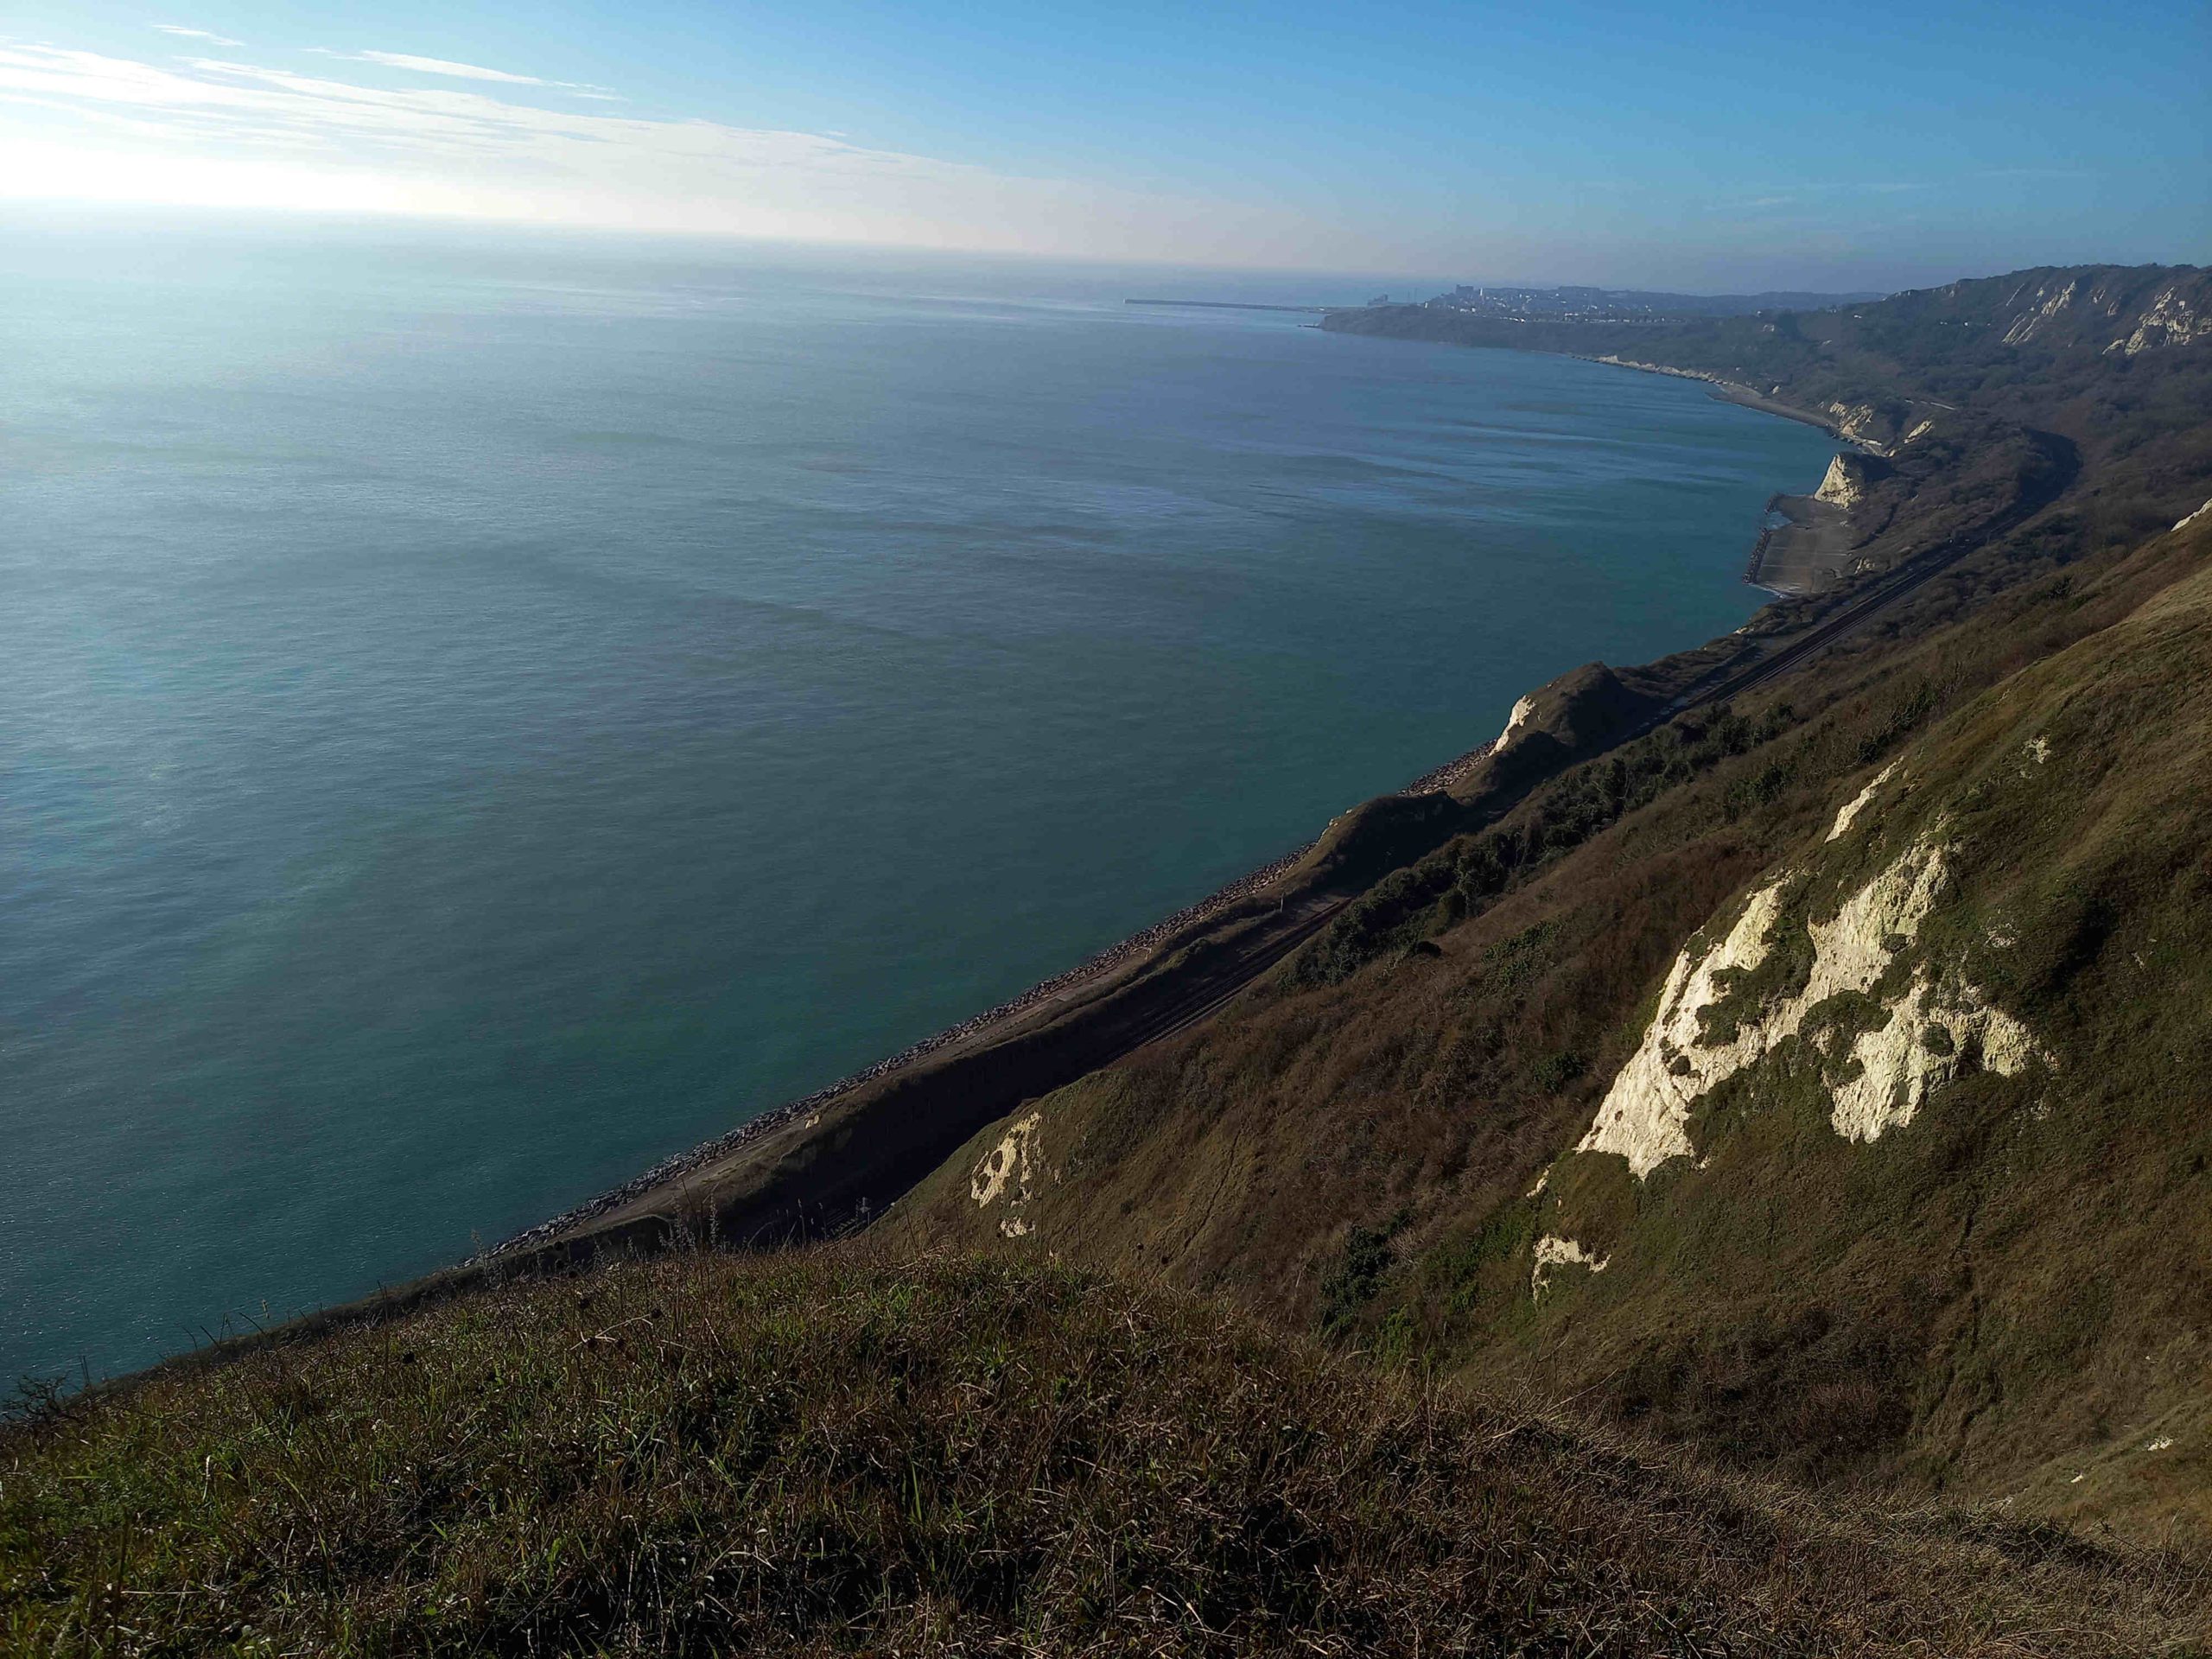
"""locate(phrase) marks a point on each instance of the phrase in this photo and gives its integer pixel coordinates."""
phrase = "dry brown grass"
(831, 1452)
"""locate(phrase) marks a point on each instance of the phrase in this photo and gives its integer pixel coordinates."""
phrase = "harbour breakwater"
(1241, 305)
(1753, 569)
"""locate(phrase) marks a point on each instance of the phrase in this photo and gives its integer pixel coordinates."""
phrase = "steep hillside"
(1601, 1063)
(1971, 501)
(1821, 1079)
(829, 1454)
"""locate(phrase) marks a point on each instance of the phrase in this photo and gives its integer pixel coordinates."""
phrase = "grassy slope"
(2008, 1297)
(823, 1453)
(2008, 1293)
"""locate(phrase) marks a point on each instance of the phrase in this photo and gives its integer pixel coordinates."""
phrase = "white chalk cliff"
(1843, 485)
(1930, 1027)
(2169, 320)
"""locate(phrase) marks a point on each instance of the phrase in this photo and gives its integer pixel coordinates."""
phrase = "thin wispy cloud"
(463, 72)
(444, 66)
(221, 131)
(447, 67)
(196, 35)
(1810, 195)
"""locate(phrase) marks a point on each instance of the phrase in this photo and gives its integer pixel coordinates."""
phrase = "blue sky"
(1721, 146)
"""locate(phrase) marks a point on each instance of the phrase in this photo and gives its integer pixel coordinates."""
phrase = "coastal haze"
(482, 712)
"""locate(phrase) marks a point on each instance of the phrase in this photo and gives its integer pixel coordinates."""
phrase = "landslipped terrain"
(1780, 1071)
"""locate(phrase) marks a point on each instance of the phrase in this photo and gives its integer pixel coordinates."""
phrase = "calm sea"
(478, 716)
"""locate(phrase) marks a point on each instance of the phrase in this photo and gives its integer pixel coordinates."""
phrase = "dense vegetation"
(1427, 896)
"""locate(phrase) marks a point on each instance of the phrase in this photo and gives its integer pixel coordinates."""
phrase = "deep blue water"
(477, 716)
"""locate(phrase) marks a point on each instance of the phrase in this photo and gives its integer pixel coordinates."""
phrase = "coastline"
(1095, 974)
(1091, 972)
(1729, 391)
(1352, 1104)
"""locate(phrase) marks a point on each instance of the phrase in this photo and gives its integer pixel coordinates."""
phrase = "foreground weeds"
(826, 1453)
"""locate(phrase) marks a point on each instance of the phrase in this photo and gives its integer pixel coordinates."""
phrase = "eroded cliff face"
(1524, 710)
(2038, 310)
(1583, 710)
(1838, 488)
(1884, 1023)
(1872, 427)
(1850, 477)
(2109, 309)
(2171, 319)
(1890, 1055)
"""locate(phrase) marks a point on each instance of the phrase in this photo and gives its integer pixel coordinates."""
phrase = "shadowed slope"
(825, 1453)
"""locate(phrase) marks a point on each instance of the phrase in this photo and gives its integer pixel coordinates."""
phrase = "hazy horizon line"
(372, 218)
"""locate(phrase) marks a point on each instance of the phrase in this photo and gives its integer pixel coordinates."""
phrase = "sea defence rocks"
(1810, 550)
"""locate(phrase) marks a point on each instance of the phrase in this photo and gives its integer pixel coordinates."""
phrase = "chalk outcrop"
(1858, 423)
(1847, 814)
(1554, 1253)
(2043, 308)
(1708, 1027)
(1524, 710)
(1007, 1167)
(1929, 1034)
(1646, 1114)
(1841, 487)
(1849, 478)
(2169, 320)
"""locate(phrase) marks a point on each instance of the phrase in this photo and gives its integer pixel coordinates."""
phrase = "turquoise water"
(477, 716)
